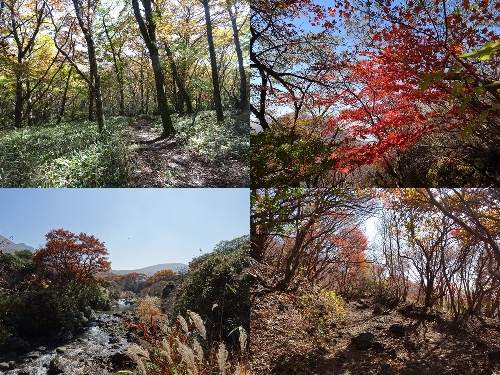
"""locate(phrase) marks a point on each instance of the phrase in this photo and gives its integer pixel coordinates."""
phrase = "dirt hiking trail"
(168, 162)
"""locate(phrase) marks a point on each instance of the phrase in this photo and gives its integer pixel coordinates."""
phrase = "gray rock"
(61, 349)
(12, 365)
(4, 366)
(379, 327)
(55, 367)
(398, 329)
(364, 340)
(494, 353)
(34, 355)
(377, 310)
(24, 372)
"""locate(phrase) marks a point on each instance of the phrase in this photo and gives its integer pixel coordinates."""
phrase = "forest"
(140, 94)
(355, 93)
(60, 312)
(418, 293)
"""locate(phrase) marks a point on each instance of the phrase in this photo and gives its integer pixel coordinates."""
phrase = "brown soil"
(284, 341)
(167, 162)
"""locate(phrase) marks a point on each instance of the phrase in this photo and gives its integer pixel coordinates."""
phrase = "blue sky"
(140, 227)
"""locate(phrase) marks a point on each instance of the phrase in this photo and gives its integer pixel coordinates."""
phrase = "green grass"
(71, 154)
(227, 140)
(74, 154)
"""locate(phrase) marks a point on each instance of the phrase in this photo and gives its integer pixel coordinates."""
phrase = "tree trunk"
(213, 63)
(178, 81)
(18, 112)
(64, 98)
(117, 61)
(91, 102)
(244, 104)
(148, 33)
(95, 79)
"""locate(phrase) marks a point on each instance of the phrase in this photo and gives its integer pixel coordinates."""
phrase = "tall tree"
(72, 257)
(84, 11)
(233, 14)
(213, 63)
(148, 32)
(25, 23)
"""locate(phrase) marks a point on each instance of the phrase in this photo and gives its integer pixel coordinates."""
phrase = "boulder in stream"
(55, 367)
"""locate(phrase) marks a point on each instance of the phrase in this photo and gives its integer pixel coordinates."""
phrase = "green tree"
(217, 287)
(148, 31)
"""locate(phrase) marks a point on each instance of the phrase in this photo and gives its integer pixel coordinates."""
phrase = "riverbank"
(101, 348)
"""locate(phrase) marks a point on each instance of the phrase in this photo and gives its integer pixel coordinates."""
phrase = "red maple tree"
(68, 256)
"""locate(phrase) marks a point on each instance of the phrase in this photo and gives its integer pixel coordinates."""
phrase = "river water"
(89, 352)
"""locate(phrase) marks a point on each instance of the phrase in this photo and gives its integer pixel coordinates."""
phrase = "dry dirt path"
(283, 340)
(169, 163)
(419, 343)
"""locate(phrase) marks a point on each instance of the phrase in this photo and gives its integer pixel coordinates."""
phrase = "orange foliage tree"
(161, 275)
(348, 265)
(68, 256)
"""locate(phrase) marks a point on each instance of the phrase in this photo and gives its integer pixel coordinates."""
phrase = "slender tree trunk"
(64, 98)
(213, 63)
(244, 103)
(148, 31)
(117, 61)
(91, 102)
(178, 81)
(95, 79)
(18, 111)
(29, 103)
(141, 89)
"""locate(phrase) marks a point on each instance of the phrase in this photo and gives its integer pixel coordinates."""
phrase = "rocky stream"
(99, 349)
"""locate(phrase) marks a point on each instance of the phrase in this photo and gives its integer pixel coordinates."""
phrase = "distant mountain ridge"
(151, 270)
(10, 247)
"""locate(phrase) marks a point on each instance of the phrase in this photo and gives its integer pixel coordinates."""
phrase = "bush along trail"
(129, 153)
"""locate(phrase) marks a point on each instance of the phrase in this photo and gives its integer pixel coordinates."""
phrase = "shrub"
(322, 307)
(52, 309)
(218, 289)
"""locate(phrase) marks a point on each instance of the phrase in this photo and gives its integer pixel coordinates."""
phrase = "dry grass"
(182, 348)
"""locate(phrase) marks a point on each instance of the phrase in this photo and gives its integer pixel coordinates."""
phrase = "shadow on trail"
(168, 162)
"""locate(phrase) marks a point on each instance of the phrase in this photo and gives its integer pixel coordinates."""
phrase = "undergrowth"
(201, 132)
(321, 307)
(183, 348)
(71, 154)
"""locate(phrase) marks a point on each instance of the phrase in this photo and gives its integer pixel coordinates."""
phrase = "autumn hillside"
(419, 296)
